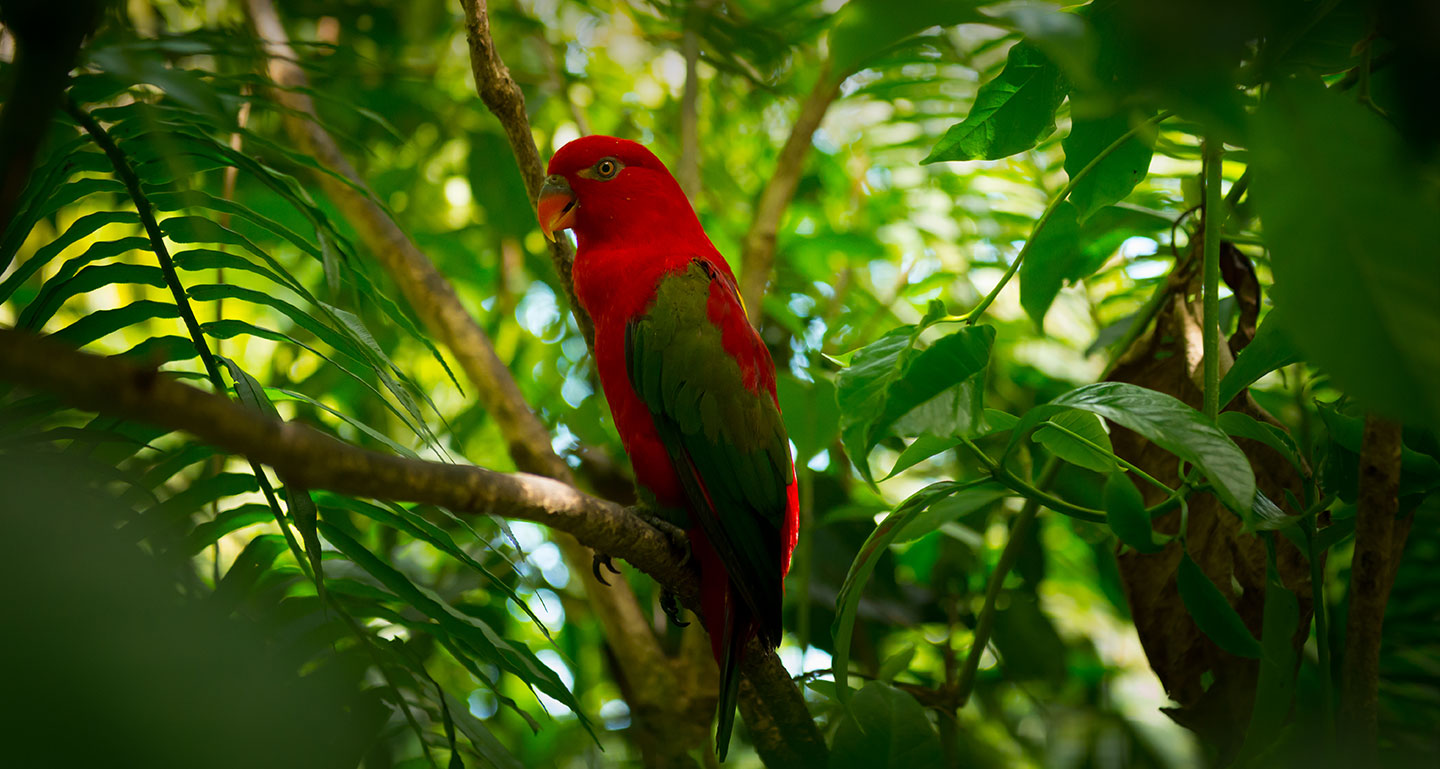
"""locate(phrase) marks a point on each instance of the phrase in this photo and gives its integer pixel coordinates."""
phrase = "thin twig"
(757, 254)
(1214, 218)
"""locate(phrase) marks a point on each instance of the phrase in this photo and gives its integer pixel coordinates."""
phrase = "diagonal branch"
(757, 253)
(781, 726)
(627, 630)
(303, 455)
(773, 706)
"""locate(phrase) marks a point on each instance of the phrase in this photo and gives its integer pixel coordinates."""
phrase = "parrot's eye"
(607, 168)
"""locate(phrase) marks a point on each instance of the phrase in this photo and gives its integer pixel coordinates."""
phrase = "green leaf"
(80, 229)
(1269, 350)
(890, 377)
(896, 663)
(450, 623)
(865, 28)
(848, 600)
(1212, 611)
(1112, 180)
(921, 449)
(247, 569)
(1126, 514)
(101, 323)
(1275, 688)
(1012, 113)
(1168, 423)
(949, 508)
(1242, 425)
(1053, 259)
(812, 417)
(1079, 438)
(1353, 233)
(96, 251)
(884, 728)
(92, 278)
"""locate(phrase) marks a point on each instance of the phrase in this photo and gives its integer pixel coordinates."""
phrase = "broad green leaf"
(1126, 514)
(865, 28)
(1012, 113)
(896, 663)
(1212, 611)
(949, 508)
(1353, 234)
(848, 600)
(921, 449)
(1167, 422)
(1054, 258)
(884, 728)
(1240, 425)
(1275, 688)
(811, 416)
(1029, 645)
(891, 377)
(1269, 350)
(1079, 438)
(1113, 178)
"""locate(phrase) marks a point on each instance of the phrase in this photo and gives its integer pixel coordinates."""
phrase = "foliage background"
(871, 239)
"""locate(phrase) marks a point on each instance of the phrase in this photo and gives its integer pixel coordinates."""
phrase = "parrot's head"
(603, 187)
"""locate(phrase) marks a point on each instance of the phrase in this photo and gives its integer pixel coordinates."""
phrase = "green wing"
(726, 441)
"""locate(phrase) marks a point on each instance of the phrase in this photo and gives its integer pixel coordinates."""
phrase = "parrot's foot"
(670, 604)
(676, 535)
(602, 559)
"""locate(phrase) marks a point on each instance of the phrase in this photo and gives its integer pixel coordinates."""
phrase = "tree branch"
(1379, 540)
(637, 652)
(302, 455)
(503, 98)
(757, 254)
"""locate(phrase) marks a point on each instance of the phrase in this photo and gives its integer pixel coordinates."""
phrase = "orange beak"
(556, 206)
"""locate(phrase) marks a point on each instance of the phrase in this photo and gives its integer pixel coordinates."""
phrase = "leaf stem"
(1029, 491)
(1121, 460)
(126, 174)
(1214, 218)
(1055, 202)
(985, 625)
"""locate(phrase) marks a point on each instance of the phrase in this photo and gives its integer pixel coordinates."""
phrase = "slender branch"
(1214, 219)
(757, 254)
(1379, 538)
(301, 454)
(986, 623)
(637, 652)
(975, 314)
(689, 170)
(502, 96)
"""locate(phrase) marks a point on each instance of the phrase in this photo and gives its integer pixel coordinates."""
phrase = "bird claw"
(675, 534)
(599, 560)
(670, 604)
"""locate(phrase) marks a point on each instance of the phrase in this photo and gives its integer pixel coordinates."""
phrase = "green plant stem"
(1029, 491)
(1322, 632)
(986, 622)
(1214, 218)
(126, 174)
(1055, 202)
(1121, 460)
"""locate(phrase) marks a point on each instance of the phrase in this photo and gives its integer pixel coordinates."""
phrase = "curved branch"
(503, 98)
(757, 254)
(305, 456)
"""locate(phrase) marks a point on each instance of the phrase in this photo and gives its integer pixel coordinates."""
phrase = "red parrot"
(690, 384)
